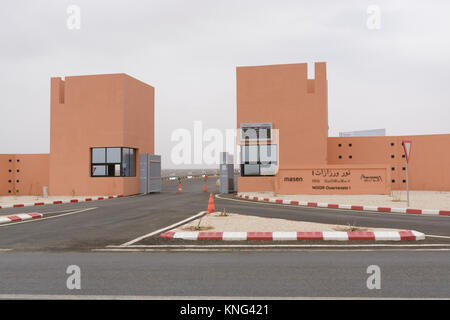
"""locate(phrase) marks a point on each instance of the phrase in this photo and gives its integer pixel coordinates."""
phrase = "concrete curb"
(20, 217)
(406, 235)
(346, 206)
(31, 204)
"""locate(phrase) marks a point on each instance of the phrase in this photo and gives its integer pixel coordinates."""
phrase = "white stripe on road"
(433, 236)
(139, 246)
(162, 230)
(126, 249)
(132, 297)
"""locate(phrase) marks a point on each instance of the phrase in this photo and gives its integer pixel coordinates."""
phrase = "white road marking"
(4, 250)
(433, 236)
(125, 249)
(329, 209)
(265, 247)
(163, 229)
(282, 245)
(70, 212)
(132, 297)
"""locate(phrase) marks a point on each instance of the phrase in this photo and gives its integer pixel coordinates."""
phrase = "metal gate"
(149, 173)
(226, 177)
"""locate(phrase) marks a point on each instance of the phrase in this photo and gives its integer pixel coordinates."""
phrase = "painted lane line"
(126, 249)
(136, 297)
(369, 245)
(434, 236)
(163, 229)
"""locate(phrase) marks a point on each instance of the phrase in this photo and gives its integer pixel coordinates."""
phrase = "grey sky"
(395, 78)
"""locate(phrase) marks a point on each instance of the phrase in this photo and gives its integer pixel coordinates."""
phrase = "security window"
(113, 155)
(268, 153)
(99, 170)
(258, 160)
(256, 131)
(250, 154)
(113, 162)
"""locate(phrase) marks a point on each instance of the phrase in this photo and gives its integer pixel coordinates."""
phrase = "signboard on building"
(337, 180)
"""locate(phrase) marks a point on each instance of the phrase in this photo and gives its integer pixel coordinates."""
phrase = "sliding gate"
(149, 173)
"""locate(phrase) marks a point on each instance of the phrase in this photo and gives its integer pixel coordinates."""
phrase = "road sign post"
(407, 149)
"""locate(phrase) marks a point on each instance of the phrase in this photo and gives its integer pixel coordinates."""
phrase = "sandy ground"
(243, 223)
(4, 200)
(418, 199)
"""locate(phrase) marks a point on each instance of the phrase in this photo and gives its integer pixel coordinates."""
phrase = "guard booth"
(149, 173)
(226, 173)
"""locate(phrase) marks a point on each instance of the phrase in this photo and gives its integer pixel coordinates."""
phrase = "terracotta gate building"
(283, 121)
(99, 124)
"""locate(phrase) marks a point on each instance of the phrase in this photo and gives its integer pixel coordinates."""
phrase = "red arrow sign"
(407, 148)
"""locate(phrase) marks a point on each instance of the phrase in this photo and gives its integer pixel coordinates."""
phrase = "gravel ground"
(439, 200)
(214, 222)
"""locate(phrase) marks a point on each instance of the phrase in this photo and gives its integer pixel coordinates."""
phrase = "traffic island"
(31, 201)
(244, 227)
(20, 217)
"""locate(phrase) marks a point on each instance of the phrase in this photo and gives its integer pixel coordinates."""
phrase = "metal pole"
(407, 186)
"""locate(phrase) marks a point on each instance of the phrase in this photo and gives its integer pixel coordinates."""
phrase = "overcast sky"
(396, 77)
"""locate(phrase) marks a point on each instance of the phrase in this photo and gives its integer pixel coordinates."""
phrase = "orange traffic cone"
(180, 190)
(211, 204)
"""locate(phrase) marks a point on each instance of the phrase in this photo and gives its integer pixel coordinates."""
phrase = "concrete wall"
(256, 184)
(23, 174)
(334, 180)
(429, 162)
(326, 179)
(138, 124)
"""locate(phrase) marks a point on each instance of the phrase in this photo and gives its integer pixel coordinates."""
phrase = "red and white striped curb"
(283, 236)
(346, 206)
(31, 204)
(20, 217)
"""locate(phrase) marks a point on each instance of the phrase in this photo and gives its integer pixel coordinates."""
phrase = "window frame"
(257, 128)
(132, 163)
(246, 162)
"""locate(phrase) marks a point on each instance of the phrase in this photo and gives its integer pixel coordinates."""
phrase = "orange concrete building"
(283, 121)
(98, 127)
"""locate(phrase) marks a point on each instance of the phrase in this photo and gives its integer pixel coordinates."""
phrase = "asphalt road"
(238, 274)
(117, 221)
(112, 221)
(34, 255)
